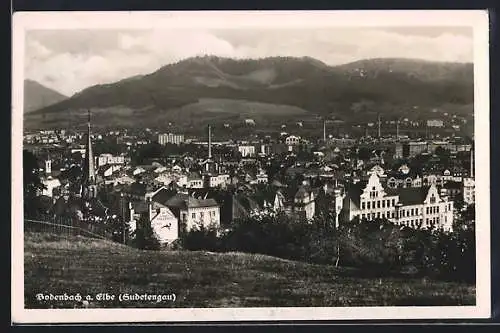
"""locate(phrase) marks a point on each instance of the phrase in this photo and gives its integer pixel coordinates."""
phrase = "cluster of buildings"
(182, 192)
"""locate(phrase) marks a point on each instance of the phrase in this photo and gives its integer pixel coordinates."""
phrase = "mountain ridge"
(303, 82)
(37, 96)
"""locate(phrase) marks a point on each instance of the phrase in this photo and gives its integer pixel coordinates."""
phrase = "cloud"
(70, 61)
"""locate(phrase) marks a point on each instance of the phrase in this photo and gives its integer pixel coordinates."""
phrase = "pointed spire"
(88, 167)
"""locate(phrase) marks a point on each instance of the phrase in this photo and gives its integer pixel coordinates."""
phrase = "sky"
(69, 61)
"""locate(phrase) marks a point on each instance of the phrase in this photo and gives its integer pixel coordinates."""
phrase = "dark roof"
(163, 195)
(183, 201)
(453, 185)
(194, 176)
(354, 191)
(142, 206)
(412, 195)
(137, 188)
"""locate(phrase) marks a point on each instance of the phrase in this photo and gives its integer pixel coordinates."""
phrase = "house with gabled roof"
(193, 212)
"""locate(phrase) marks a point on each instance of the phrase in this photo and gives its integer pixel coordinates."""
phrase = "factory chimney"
(379, 125)
(209, 142)
(324, 130)
(471, 163)
(397, 129)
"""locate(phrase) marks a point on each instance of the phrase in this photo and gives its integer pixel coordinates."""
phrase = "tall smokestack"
(324, 130)
(379, 126)
(472, 163)
(209, 142)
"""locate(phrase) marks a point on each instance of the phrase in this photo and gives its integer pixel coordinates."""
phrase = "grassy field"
(200, 279)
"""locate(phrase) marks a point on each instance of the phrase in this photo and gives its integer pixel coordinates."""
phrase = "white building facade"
(421, 207)
(175, 139)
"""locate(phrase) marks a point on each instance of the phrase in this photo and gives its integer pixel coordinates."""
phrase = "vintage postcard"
(250, 166)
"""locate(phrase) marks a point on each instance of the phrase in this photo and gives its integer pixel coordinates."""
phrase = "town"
(410, 173)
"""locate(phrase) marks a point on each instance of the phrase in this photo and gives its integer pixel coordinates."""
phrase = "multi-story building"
(414, 148)
(292, 140)
(435, 123)
(175, 139)
(105, 159)
(247, 150)
(193, 212)
(416, 207)
(219, 180)
(194, 180)
(469, 191)
(398, 153)
(163, 222)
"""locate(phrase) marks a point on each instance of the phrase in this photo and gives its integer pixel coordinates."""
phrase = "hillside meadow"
(54, 264)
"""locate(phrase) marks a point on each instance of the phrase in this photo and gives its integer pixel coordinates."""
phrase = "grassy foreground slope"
(57, 265)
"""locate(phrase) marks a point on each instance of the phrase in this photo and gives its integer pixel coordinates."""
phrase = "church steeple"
(89, 181)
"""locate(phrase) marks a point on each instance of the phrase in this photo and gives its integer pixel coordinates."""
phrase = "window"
(427, 210)
(202, 215)
(383, 203)
(368, 204)
(363, 205)
(378, 215)
(378, 203)
(393, 202)
(393, 215)
(193, 215)
(433, 199)
(362, 216)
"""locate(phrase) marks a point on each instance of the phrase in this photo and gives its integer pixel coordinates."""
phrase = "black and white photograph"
(222, 166)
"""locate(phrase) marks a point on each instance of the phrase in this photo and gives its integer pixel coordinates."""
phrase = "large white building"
(105, 159)
(435, 123)
(292, 140)
(247, 150)
(416, 207)
(219, 180)
(469, 191)
(165, 138)
(194, 212)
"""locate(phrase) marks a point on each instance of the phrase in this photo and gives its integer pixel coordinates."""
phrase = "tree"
(31, 180)
(145, 238)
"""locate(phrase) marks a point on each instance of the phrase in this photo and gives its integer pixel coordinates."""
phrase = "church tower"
(48, 166)
(89, 187)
